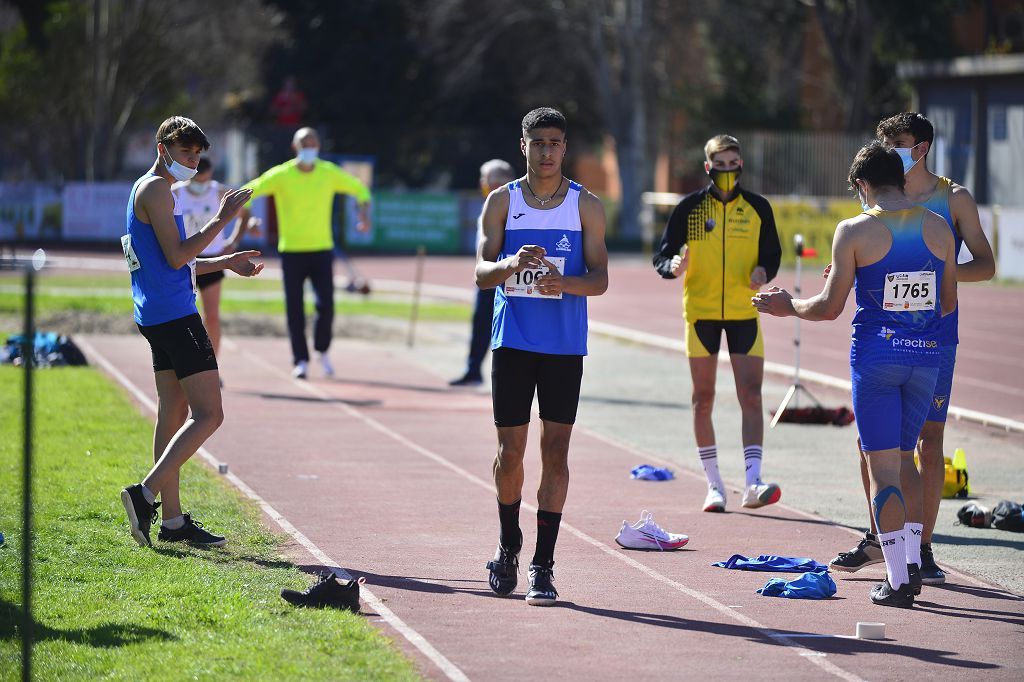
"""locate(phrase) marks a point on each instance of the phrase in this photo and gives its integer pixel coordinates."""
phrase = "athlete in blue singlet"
(900, 258)
(163, 265)
(542, 247)
(911, 134)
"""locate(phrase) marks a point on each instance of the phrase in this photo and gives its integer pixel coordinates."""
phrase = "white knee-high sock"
(894, 549)
(709, 460)
(912, 533)
(752, 455)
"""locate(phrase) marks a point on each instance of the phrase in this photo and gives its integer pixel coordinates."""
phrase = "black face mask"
(725, 180)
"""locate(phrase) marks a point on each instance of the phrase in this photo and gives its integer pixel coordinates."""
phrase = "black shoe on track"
(542, 590)
(327, 592)
(866, 553)
(914, 575)
(931, 574)
(192, 533)
(504, 571)
(883, 595)
(141, 514)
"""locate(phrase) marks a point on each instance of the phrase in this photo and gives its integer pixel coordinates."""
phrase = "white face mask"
(308, 155)
(178, 171)
(905, 156)
(197, 187)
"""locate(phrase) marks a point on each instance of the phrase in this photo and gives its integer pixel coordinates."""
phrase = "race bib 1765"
(909, 291)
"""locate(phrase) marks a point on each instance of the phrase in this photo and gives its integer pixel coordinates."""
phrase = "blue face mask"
(308, 155)
(905, 156)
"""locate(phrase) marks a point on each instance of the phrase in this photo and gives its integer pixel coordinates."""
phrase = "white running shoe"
(715, 501)
(301, 369)
(760, 494)
(325, 364)
(646, 534)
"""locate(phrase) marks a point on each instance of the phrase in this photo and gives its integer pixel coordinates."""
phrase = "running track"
(385, 471)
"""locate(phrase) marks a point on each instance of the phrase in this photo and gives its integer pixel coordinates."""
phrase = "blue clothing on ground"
(646, 472)
(160, 293)
(770, 562)
(805, 586)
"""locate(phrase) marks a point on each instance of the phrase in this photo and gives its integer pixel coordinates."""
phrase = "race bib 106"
(909, 291)
(522, 283)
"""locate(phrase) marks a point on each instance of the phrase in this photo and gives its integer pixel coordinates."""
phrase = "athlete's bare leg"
(508, 463)
(933, 474)
(748, 373)
(211, 314)
(554, 454)
(703, 372)
(171, 413)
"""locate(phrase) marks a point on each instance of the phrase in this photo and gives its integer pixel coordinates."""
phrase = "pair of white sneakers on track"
(757, 494)
(301, 369)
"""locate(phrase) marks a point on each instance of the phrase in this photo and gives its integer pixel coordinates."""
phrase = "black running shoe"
(504, 570)
(327, 592)
(542, 590)
(467, 380)
(141, 514)
(191, 533)
(866, 553)
(931, 574)
(914, 575)
(883, 595)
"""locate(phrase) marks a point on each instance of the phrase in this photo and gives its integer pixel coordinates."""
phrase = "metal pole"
(28, 360)
(414, 313)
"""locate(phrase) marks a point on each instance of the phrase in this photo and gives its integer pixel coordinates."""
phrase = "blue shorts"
(890, 403)
(943, 385)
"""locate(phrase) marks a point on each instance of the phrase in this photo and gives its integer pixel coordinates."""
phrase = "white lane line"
(450, 670)
(827, 666)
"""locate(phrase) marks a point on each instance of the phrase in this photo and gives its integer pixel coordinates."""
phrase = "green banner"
(403, 221)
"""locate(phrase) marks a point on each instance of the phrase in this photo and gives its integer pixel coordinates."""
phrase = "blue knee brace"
(879, 500)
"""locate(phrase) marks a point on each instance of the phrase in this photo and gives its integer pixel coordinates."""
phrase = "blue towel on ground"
(769, 562)
(804, 586)
(646, 472)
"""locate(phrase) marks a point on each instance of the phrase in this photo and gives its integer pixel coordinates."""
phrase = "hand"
(231, 203)
(363, 223)
(240, 263)
(551, 283)
(828, 269)
(758, 278)
(775, 301)
(253, 227)
(679, 262)
(529, 257)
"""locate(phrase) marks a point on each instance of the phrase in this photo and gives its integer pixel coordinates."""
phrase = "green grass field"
(105, 608)
(111, 295)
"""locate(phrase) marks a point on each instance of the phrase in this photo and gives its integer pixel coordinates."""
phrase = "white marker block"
(870, 630)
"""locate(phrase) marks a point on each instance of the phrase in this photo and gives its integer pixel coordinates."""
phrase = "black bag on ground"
(1008, 516)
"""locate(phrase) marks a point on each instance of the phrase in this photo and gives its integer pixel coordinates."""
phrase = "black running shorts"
(182, 345)
(203, 281)
(704, 337)
(517, 374)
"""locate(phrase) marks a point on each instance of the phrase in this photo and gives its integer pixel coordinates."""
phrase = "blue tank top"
(523, 319)
(159, 292)
(939, 203)
(887, 327)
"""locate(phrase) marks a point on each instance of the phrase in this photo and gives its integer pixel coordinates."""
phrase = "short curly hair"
(182, 130)
(919, 127)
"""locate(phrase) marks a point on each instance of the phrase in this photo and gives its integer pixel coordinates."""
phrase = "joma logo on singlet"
(563, 244)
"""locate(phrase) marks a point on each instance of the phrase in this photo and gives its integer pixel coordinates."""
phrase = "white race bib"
(129, 253)
(522, 283)
(909, 291)
(192, 272)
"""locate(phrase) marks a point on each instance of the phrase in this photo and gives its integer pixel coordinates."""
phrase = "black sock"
(547, 535)
(511, 535)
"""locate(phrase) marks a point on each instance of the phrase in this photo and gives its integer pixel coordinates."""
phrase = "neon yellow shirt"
(304, 200)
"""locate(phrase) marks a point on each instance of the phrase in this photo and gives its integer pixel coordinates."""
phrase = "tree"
(104, 66)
